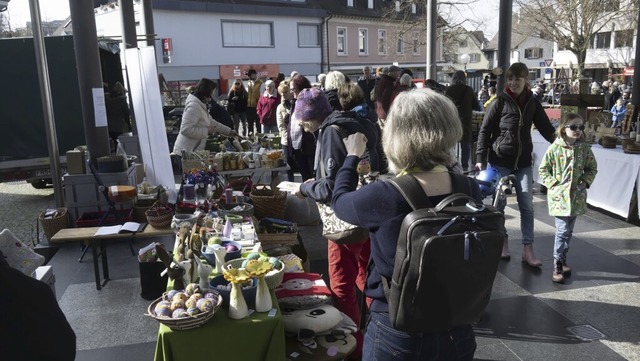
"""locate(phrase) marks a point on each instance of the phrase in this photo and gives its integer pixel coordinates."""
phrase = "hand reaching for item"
(356, 144)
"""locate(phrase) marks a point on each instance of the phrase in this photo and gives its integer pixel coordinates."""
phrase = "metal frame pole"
(47, 102)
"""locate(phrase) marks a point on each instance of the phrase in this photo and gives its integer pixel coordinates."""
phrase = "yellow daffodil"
(258, 268)
(238, 275)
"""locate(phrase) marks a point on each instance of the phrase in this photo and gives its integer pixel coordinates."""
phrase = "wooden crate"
(82, 195)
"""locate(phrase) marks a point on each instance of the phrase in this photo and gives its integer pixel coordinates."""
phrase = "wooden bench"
(87, 235)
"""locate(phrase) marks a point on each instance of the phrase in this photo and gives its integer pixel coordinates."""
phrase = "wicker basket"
(159, 216)
(268, 202)
(140, 208)
(273, 279)
(247, 210)
(285, 239)
(186, 323)
(52, 225)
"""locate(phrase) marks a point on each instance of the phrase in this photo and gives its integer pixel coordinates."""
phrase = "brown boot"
(529, 257)
(505, 249)
(566, 270)
(557, 272)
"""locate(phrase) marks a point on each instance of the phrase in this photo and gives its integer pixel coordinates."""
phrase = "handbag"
(333, 228)
(337, 230)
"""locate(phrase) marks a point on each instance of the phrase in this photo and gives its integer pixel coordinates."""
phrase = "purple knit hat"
(312, 104)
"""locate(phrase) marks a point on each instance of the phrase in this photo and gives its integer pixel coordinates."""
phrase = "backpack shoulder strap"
(412, 191)
(461, 184)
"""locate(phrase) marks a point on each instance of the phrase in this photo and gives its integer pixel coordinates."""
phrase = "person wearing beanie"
(301, 143)
(347, 264)
(267, 108)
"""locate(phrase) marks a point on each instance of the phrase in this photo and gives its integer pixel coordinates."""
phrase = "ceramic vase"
(238, 308)
(263, 296)
(220, 253)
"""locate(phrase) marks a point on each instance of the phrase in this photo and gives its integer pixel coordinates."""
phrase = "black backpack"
(446, 258)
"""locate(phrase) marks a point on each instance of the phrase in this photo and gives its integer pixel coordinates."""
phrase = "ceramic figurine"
(220, 253)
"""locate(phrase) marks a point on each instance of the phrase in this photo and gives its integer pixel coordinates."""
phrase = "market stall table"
(618, 174)
(87, 235)
(258, 337)
(257, 174)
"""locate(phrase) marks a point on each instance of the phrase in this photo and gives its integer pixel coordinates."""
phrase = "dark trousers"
(252, 118)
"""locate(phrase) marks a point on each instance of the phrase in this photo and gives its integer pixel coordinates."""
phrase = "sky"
(18, 11)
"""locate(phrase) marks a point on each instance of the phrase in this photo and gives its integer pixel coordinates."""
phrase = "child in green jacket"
(567, 169)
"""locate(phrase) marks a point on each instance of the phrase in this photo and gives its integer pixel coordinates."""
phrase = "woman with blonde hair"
(421, 128)
(332, 82)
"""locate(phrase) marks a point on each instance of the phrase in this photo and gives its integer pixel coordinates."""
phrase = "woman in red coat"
(267, 106)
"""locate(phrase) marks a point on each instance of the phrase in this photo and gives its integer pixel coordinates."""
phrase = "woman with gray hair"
(332, 82)
(421, 128)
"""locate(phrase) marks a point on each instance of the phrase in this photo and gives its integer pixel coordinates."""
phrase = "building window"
(416, 43)
(382, 42)
(397, 6)
(533, 53)
(474, 58)
(350, 3)
(603, 40)
(308, 35)
(247, 34)
(342, 41)
(624, 38)
(400, 45)
(370, 4)
(363, 39)
(413, 8)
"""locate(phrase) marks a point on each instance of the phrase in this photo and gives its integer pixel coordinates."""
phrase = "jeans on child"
(564, 231)
(384, 343)
(524, 196)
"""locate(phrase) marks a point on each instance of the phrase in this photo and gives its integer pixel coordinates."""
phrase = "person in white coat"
(197, 124)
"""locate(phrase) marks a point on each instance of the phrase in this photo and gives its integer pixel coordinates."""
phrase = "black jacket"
(331, 151)
(220, 114)
(367, 86)
(504, 138)
(240, 104)
(466, 102)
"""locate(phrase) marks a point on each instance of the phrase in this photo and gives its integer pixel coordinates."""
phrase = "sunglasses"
(237, 84)
(575, 127)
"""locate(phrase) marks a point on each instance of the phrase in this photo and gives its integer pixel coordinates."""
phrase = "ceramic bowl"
(249, 293)
(211, 257)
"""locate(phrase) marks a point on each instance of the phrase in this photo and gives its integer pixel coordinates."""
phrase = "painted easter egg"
(205, 305)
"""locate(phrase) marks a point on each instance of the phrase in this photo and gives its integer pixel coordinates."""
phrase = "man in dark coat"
(465, 100)
(367, 82)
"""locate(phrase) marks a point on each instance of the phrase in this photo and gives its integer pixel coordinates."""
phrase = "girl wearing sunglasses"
(567, 169)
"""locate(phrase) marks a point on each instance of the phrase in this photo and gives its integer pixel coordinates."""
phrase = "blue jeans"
(564, 231)
(384, 343)
(524, 196)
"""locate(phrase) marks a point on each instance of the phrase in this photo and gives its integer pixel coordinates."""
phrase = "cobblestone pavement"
(20, 206)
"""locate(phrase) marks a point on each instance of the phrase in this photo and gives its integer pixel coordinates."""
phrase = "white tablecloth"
(618, 173)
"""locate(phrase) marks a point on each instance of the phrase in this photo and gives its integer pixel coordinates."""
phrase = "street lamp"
(464, 58)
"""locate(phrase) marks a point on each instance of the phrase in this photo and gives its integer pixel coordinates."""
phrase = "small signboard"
(547, 62)
(542, 64)
(548, 71)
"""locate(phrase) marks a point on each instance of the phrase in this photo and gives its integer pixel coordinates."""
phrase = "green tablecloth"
(255, 338)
